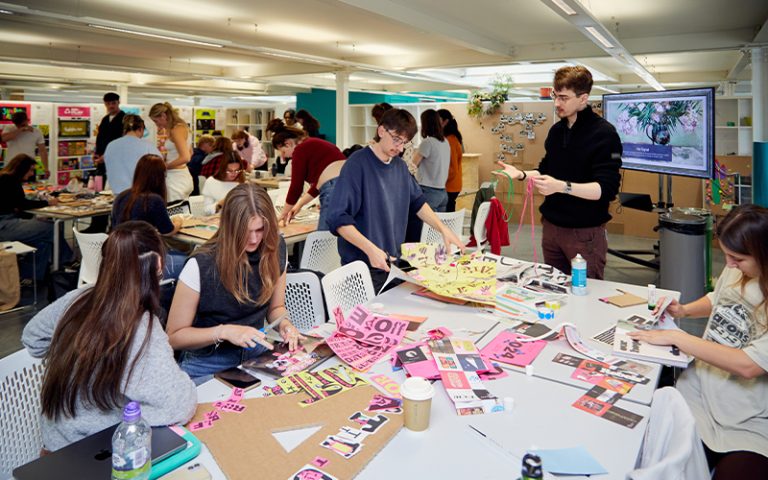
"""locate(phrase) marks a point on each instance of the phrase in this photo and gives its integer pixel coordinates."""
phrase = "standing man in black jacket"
(110, 128)
(579, 175)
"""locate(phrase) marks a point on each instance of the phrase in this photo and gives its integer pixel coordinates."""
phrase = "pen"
(272, 325)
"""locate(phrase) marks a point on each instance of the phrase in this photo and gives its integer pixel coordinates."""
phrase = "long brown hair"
(18, 166)
(283, 134)
(233, 157)
(243, 203)
(744, 231)
(149, 177)
(88, 359)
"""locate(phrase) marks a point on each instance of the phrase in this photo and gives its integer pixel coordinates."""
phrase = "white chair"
(21, 378)
(478, 229)
(320, 252)
(284, 184)
(90, 250)
(671, 447)
(347, 287)
(304, 300)
(201, 182)
(197, 205)
(452, 220)
(277, 195)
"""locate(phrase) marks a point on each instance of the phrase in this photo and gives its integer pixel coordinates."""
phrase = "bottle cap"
(131, 412)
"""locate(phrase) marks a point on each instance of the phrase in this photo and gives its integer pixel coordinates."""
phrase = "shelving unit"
(733, 126)
(73, 141)
(363, 127)
(252, 120)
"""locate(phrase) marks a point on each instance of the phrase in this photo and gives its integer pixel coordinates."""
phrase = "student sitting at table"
(231, 287)
(727, 386)
(230, 174)
(145, 200)
(13, 224)
(372, 198)
(104, 346)
(222, 149)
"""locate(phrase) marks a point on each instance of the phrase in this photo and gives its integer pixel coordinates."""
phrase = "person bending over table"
(14, 227)
(727, 386)
(231, 173)
(145, 200)
(373, 194)
(313, 158)
(104, 349)
(231, 287)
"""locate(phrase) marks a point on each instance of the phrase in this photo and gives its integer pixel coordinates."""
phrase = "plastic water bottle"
(578, 275)
(132, 446)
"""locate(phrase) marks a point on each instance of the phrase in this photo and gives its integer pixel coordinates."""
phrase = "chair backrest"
(452, 220)
(181, 207)
(320, 252)
(201, 182)
(284, 184)
(304, 300)
(346, 287)
(21, 378)
(90, 249)
(197, 205)
(478, 229)
(277, 195)
(672, 446)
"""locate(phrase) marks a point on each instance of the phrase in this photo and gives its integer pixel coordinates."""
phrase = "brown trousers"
(561, 244)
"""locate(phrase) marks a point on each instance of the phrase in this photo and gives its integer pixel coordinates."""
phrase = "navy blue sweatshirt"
(589, 151)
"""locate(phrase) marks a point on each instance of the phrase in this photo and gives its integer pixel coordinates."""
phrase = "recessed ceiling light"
(599, 37)
(564, 7)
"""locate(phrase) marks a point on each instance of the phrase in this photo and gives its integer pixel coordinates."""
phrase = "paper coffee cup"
(417, 396)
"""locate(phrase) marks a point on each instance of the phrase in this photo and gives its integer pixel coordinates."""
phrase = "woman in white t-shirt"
(230, 174)
(178, 150)
(727, 387)
(433, 159)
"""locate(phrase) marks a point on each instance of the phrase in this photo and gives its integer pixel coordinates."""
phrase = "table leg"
(56, 238)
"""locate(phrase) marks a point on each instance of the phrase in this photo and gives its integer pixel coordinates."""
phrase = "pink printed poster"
(507, 348)
(363, 338)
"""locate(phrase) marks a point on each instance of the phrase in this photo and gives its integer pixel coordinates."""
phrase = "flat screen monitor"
(669, 132)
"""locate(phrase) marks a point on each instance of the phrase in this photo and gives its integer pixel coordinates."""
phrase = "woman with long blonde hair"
(178, 150)
(231, 287)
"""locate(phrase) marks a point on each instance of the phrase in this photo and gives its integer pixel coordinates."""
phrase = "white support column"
(342, 110)
(759, 93)
(122, 90)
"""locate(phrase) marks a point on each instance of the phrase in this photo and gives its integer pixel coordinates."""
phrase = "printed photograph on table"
(281, 361)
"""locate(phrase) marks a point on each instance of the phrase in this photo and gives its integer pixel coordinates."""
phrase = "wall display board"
(73, 142)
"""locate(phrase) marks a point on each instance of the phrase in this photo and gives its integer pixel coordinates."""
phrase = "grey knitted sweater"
(166, 394)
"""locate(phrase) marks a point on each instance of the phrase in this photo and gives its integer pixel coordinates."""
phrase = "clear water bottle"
(578, 275)
(132, 446)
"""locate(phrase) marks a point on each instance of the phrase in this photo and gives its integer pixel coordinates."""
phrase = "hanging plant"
(482, 103)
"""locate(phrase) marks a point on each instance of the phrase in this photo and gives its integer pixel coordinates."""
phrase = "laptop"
(91, 457)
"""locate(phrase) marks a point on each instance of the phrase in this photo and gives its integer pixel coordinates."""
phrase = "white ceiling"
(280, 48)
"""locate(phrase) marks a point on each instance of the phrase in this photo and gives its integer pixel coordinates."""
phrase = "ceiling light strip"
(155, 35)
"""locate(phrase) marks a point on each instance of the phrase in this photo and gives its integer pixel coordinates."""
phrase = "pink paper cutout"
(506, 348)
(200, 425)
(320, 461)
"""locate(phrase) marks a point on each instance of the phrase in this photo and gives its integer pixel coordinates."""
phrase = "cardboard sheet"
(243, 445)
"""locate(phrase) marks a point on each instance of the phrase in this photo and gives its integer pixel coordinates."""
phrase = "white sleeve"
(40, 138)
(190, 274)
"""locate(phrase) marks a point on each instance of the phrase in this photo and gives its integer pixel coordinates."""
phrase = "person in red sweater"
(316, 162)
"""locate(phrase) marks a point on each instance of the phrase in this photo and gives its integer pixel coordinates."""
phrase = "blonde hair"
(243, 203)
(171, 113)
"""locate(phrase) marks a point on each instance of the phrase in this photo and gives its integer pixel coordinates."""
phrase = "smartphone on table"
(237, 378)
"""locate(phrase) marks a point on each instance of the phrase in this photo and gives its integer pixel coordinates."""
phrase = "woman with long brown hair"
(223, 151)
(104, 346)
(230, 287)
(145, 201)
(178, 150)
(231, 173)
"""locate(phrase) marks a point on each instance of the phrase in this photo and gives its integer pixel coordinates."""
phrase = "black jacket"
(589, 151)
(109, 131)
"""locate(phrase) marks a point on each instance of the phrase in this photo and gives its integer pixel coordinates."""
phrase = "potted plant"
(482, 103)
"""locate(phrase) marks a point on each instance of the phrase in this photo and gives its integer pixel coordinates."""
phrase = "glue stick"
(651, 296)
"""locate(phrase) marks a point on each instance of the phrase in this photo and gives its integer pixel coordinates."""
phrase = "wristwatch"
(568, 188)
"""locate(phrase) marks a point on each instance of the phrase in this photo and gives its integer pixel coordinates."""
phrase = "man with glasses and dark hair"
(579, 176)
(372, 197)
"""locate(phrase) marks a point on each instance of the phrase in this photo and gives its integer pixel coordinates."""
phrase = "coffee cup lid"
(417, 388)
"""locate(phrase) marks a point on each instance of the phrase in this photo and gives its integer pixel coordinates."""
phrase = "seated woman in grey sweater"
(104, 346)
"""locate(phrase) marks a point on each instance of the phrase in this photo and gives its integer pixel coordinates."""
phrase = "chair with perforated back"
(347, 287)
(90, 250)
(21, 377)
(304, 300)
(320, 252)
(478, 229)
(197, 205)
(452, 220)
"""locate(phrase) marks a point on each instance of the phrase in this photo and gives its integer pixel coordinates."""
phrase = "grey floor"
(619, 270)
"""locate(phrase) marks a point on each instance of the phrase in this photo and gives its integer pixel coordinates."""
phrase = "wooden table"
(271, 182)
(294, 232)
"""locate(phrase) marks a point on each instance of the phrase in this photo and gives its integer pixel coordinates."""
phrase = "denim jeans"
(202, 363)
(326, 191)
(436, 198)
(174, 262)
(35, 233)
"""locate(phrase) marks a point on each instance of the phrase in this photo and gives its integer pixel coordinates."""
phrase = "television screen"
(669, 132)
(74, 128)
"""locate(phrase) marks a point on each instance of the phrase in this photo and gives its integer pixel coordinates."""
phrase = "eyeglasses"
(396, 139)
(235, 172)
(563, 98)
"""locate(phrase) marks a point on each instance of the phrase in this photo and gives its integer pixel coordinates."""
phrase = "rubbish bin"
(684, 240)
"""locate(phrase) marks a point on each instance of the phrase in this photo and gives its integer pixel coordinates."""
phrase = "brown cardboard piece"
(625, 300)
(244, 447)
